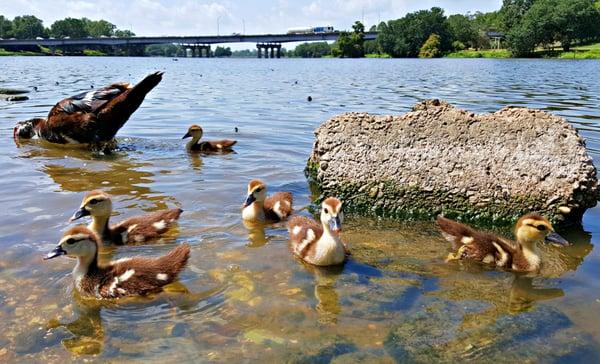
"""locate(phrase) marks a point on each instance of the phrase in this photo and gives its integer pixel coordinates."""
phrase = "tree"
(6, 27)
(98, 28)
(513, 11)
(351, 44)
(462, 29)
(124, 33)
(164, 50)
(28, 27)
(404, 37)
(312, 50)
(222, 52)
(431, 47)
(69, 27)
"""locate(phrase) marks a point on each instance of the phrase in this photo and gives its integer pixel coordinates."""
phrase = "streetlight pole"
(243, 26)
(218, 18)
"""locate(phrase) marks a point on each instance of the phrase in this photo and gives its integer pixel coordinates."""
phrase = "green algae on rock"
(488, 168)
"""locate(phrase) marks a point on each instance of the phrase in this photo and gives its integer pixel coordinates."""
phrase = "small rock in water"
(309, 98)
(16, 98)
(236, 129)
(91, 86)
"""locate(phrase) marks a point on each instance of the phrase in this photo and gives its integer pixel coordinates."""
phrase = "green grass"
(376, 55)
(92, 52)
(487, 53)
(24, 53)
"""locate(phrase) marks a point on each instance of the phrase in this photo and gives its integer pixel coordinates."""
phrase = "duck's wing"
(140, 276)
(221, 144)
(279, 205)
(139, 229)
(74, 119)
(304, 233)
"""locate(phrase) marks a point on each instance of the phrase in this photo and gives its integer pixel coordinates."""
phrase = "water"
(243, 295)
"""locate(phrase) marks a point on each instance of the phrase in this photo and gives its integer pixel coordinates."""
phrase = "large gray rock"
(440, 159)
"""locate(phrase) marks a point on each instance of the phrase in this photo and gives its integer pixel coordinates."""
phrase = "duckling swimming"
(319, 244)
(120, 278)
(137, 229)
(521, 255)
(260, 208)
(195, 132)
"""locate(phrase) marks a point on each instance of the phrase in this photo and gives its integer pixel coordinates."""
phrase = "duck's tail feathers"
(114, 115)
(174, 262)
(455, 232)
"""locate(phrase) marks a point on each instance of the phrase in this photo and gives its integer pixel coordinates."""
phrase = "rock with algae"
(440, 159)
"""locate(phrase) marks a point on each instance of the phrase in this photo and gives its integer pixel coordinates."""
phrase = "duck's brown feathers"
(139, 229)
(207, 146)
(278, 206)
(95, 116)
(482, 246)
(302, 241)
(134, 276)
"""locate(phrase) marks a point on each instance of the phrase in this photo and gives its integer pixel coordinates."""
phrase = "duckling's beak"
(187, 135)
(557, 239)
(79, 214)
(58, 251)
(249, 200)
(335, 225)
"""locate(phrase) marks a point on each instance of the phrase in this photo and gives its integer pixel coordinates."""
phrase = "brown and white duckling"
(195, 132)
(120, 278)
(137, 229)
(260, 208)
(521, 255)
(319, 244)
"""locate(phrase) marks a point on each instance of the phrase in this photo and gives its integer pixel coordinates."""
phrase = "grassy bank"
(376, 55)
(23, 53)
(487, 53)
(591, 51)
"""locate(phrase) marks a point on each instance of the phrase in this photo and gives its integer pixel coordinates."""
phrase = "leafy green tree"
(69, 27)
(404, 37)
(164, 50)
(350, 44)
(431, 47)
(6, 27)
(463, 30)
(312, 50)
(491, 21)
(222, 52)
(124, 33)
(513, 11)
(28, 27)
(98, 28)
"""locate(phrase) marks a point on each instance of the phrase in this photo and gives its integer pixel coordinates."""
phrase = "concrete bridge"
(264, 42)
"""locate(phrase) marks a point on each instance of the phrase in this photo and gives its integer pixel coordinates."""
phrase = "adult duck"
(89, 117)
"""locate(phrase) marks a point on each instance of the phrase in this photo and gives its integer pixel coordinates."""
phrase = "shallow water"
(243, 297)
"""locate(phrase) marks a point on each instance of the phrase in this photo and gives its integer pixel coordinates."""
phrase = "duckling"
(195, 132)
(89, 117)
(120, 278)
(520, 256)
(319, 244)
(260, 208)
(137, 229)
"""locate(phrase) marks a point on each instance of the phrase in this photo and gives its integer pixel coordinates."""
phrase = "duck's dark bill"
(187, 135)
(249, 200)
(58, 251)
(335, 224)
(557, 239)
(79, 214)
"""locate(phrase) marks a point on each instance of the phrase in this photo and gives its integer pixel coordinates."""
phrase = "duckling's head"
(533, 228)
(95, 203)
(26, 129)
(194, 132)
(331, 214)
(257, 191)
(77, 242)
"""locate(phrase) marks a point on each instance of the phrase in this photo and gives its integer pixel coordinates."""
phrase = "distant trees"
(164, 50)
(222, 52)
(404, 37)
(6, 27)
(350, 44)
(27, 27)
(312, 50)
(463, 31)
(69, 27)
(124, 33)
(431, 47)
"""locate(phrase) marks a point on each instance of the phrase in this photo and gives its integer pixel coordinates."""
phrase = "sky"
(188, 17)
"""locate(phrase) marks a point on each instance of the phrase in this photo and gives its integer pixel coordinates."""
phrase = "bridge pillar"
(208, 52)
(278, 48)
(259, 51)
(272, 51)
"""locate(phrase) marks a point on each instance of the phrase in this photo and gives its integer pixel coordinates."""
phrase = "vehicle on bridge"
(310, 30)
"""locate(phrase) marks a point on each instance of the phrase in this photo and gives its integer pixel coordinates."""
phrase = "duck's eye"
(93, 201)
(325, 210)
(258, 189)
(541, 228)
(70, 241)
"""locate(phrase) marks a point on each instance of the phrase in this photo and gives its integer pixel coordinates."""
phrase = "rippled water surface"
(243, 297)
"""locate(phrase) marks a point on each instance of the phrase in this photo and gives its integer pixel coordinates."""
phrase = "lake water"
(243, 298)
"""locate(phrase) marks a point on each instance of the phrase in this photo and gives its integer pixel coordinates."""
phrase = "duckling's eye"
(93, 201)
(325, 210)
(541, 228)
(258, 189)
(70, 241)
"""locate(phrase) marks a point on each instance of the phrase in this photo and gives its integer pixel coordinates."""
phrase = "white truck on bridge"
(310, 30)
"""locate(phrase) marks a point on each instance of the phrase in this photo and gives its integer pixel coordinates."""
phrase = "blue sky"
(187, 17)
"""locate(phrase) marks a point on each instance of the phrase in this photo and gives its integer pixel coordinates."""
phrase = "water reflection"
(256, 233)
(195, 160)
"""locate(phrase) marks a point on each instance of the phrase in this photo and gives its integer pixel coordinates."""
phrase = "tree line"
(30, 27)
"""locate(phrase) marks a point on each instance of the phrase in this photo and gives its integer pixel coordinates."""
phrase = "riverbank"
(591, 51)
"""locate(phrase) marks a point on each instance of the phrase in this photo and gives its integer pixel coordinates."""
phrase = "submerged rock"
(441, 159)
